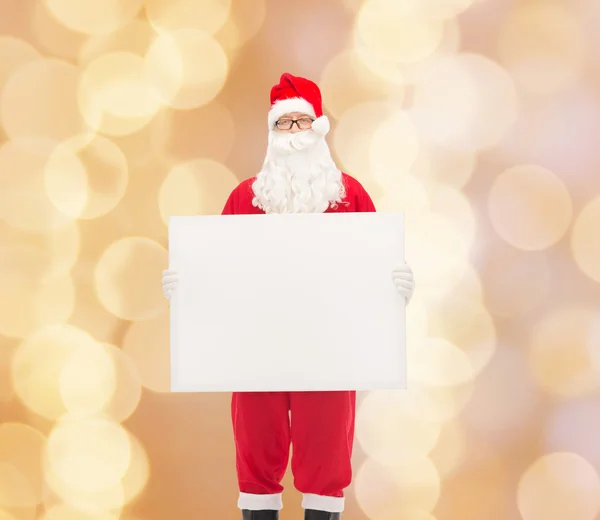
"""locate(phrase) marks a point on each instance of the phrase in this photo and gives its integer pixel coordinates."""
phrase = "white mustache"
(294, 142)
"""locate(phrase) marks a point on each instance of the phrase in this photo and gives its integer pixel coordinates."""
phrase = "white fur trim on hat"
(285, 106)
(321, 125)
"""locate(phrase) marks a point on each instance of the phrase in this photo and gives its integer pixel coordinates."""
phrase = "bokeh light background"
(478, 118)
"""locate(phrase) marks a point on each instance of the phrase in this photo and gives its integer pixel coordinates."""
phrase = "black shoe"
(263, 514)
(313, 514)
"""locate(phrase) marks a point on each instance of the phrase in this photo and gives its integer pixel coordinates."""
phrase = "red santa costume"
(298, 176)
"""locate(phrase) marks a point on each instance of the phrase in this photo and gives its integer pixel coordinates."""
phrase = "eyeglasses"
(303, 123)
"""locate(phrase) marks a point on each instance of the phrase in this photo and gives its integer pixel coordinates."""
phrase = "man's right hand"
(169, 282)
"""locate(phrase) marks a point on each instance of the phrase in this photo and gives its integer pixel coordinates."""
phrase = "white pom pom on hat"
(296, 94)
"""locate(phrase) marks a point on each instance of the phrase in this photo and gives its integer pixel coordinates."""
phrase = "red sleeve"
(364, 203)
(231, 204)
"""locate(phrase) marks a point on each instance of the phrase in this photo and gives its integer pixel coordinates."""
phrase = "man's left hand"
(404, 281)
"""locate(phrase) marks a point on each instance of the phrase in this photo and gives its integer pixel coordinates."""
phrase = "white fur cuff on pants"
(259, 502)
(322, 503)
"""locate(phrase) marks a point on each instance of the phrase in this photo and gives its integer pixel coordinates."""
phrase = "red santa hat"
(296, 94)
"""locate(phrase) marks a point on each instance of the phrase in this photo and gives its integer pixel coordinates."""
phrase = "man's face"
(298, 174)
(294, 122)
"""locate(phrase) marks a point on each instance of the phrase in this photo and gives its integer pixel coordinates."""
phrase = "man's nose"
(294, 129)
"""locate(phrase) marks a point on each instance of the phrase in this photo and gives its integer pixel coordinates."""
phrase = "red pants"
(322, 433)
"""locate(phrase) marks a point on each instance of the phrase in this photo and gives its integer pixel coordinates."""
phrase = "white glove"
(170, 279)
(404, 281)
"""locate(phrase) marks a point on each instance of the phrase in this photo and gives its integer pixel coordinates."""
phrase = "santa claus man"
(298, 176)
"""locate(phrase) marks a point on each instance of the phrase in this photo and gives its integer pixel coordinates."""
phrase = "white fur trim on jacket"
(284, 106)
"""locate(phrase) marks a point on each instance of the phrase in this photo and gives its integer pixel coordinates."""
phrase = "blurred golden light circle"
(43, 255)
(475, 109)
(445, 166)
(38, 363)
(470, 286)
(406, 74)
(585, 240)
(229, 39)
(438, 253)
(389, 427)
(138, 213)
(440, 403)
(187, 68)
(18, 513)
(138, 472)
(114, 94)
(22, 446)
(145, 151)
(559, 354)
(417, 514)
(28, 304)
(449, 46)
(89, 314)
(23, 201)
(530, 207)
(500, 409)
(443, 9)
(346, 68)
(543, 47)
(122, 274)
(63, 511)
(135, 38)
(191, 134)
(95, 502)
(39, 103)
(594, 341)
(353, 5)
(394, 148)
(87, 380)
(450, 450)
(454, 205)
(386, 492)
(384, 71)
(88, 453)
(86, 176)
(7, 350)
(51, 36)
(516, 281)
(573, 426)
(484, 486)
(467, 324)
(243, 22)
(208, 16)
(146, 342)
(14, 53)
(97, 17)
(357, 125)
(42, 424)
(543, 135)
(557, 486)
(15, 489)
(397, 31)
(405, 193)
(128, 387)
(416, 315)
(437, 362)
(197, 187)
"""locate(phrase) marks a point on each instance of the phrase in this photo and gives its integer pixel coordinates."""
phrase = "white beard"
(298, 175)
